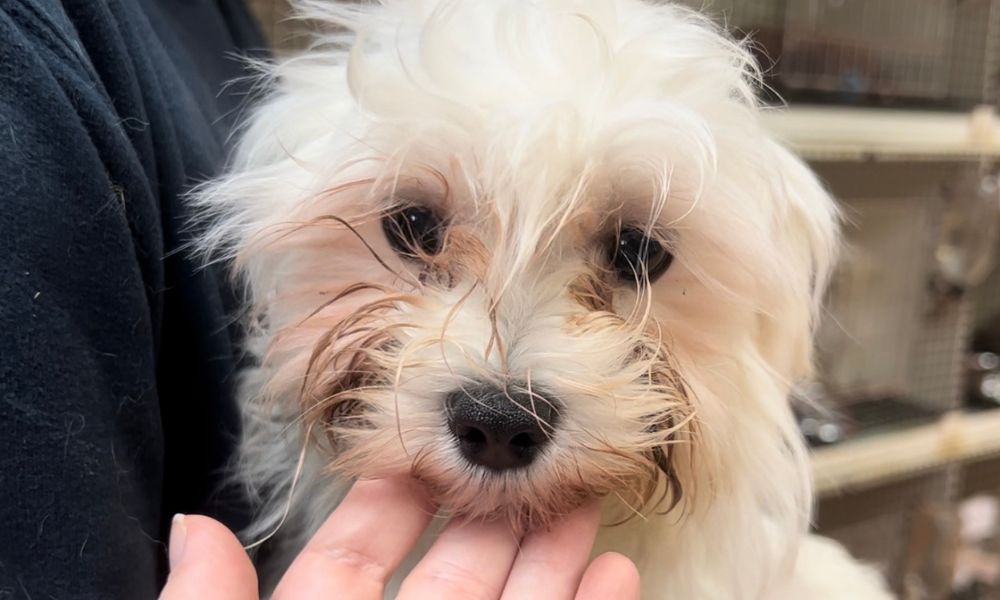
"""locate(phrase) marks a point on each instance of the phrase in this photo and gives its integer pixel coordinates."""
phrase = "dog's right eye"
(635, 256)
(413, 231)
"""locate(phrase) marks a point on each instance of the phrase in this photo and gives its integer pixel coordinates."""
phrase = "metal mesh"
(941, 52)
(974, 51)
(887, 334)
(890, 330)
(880, 541)
(936, 52)
(906, 530)
(874, 304)
(938, 369)
(742, 14)
(856, 48)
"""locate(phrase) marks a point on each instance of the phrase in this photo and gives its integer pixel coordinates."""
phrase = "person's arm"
(81, 448)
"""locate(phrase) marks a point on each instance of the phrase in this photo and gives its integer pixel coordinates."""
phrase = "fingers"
(204, 555)
(355, 552)
(551, 562)
(365, 540)
(469, 561)
(611, 575)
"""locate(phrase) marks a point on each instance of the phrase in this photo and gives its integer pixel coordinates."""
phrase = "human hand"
(356, 551)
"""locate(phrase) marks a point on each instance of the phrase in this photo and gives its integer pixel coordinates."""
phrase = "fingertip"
(178, 535)
(556, 557)
(206, 555)
(212, 538)
(362, 542)
(614, 562)
(610, 575)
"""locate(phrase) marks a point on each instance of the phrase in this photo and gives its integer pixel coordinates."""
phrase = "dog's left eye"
(413, 231)
(638, 257)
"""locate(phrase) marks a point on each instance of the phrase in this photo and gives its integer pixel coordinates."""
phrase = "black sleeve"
(80, 436)
(115, 356)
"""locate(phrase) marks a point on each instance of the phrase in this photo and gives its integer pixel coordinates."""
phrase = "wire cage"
(888, 340)
(892, 347)
(937, 53)
(900, 312)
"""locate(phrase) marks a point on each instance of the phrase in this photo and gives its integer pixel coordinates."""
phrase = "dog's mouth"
(516, 499)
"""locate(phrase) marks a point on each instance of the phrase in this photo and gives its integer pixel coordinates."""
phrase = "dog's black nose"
(500, 428)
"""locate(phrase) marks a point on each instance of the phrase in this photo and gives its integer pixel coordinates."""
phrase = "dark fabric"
(117, 352)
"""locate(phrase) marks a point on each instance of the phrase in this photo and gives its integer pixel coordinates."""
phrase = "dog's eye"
(637, 257)
(413, 231)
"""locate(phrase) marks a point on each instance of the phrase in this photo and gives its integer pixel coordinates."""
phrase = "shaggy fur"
(537, 130)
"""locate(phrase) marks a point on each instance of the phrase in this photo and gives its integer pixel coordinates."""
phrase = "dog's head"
(531, 253)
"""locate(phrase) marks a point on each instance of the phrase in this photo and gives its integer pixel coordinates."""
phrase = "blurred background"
(894, 104)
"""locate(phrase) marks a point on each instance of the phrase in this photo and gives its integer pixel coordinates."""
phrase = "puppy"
(533, 253)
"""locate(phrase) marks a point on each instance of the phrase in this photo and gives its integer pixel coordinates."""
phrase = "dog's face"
(532, 253)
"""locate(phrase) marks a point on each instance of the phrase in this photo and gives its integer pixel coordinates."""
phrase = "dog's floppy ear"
(806, 232)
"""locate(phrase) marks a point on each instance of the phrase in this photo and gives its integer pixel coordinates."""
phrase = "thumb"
(207, 561)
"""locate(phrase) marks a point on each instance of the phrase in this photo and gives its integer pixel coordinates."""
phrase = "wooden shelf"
(887, 457)
(834, 133)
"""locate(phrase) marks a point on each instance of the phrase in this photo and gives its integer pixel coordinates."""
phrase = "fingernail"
(178, 535)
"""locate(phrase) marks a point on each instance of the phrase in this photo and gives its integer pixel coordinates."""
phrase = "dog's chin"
(523, 499)
(509, 498)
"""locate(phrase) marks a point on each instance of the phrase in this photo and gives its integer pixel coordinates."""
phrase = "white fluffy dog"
(532, 253)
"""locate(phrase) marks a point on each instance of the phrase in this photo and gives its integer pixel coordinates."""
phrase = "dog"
(533, 253)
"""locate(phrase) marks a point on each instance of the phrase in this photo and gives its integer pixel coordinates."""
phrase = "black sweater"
(117, 353)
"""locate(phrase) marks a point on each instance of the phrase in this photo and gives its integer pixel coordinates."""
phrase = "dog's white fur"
(537, 128)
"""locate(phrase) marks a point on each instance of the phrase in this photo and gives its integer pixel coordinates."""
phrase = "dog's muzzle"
(500, 428)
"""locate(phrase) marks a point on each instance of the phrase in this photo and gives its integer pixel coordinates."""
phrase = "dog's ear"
(806, 232)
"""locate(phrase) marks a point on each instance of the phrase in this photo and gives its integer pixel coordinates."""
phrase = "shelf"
(834, 133)
(887, 457)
